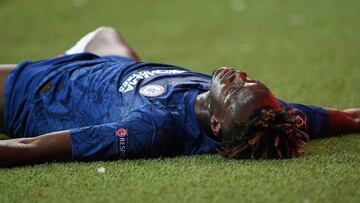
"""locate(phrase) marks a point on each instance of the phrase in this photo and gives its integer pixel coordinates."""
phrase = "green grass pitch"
(305, 51)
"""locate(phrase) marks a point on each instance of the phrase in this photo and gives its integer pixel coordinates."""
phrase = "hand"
(344, 121)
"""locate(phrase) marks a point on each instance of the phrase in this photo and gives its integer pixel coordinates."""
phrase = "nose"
(243, 75)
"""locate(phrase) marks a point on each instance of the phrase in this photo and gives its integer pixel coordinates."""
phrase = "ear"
(215, 125)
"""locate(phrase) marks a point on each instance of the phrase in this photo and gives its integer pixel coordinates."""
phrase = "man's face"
(234, 96)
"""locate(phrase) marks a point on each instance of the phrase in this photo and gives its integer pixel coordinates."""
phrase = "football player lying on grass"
(101, 102)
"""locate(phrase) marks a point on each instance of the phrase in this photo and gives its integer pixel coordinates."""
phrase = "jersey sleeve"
(140, 135)
(311, 119)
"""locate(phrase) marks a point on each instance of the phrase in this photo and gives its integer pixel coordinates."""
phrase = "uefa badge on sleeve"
(121, 134)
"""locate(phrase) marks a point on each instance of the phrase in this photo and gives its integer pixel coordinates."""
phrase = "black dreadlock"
(267, 134)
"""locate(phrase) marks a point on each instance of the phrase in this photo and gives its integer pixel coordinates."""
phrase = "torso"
(111, 88)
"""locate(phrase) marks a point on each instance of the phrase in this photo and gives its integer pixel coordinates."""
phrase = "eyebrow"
(233, 92)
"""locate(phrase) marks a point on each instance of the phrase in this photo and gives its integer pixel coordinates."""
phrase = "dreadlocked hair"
(267, 134)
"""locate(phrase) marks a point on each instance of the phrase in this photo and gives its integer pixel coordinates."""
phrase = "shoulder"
(151, 132)
(311, 119)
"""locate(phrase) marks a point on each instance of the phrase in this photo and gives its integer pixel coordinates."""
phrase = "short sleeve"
(140, 135)
(311, 119)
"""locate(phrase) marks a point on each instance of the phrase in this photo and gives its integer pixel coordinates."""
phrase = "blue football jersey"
(116, 107)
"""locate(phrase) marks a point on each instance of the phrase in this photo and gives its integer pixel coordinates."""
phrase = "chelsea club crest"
(152, 90)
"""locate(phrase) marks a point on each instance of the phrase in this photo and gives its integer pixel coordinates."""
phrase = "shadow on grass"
(4, 137)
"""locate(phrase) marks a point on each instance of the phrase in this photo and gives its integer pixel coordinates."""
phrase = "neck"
(202, 112)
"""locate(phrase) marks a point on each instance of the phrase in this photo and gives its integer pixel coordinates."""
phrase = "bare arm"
(343, 121)
(54, 146)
